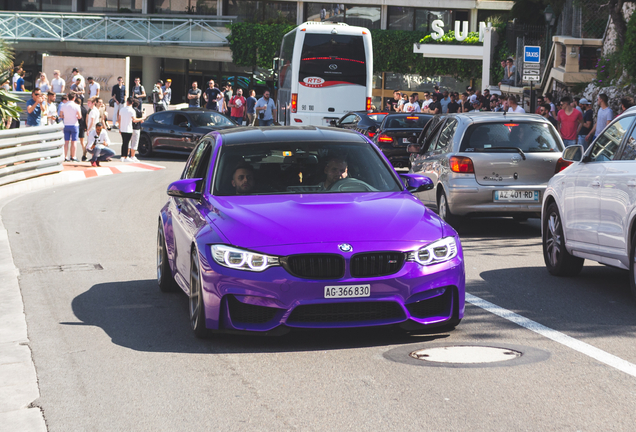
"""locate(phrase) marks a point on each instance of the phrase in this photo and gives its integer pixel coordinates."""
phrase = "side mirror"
(413, 148)
(416, 182)
(186, 188)
(333, 123)
(573, 153)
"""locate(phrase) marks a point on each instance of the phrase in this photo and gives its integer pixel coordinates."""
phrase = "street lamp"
(548, 13)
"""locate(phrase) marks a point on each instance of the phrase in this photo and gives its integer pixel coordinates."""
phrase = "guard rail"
(30, 152)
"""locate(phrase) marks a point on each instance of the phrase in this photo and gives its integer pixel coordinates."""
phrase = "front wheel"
(196, 306)
(145, 146)
(444, 211)
(557, 259)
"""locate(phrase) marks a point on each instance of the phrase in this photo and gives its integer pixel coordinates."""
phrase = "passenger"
(243, 179)
(336, 169)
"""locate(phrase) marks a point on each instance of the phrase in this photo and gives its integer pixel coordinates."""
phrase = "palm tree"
(8, 102)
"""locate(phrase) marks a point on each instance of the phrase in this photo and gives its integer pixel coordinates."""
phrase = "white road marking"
(563, 339)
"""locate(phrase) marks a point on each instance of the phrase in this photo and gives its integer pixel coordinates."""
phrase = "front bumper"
(414, 296)
(467, 197)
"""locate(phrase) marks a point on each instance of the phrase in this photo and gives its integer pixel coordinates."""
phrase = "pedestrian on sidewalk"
(514, 107)
(211, 96)
(93, 88)
(588, 119)
(44, 86)
(119, 96)
(157, 97)
(603, 117)
(237, 103)
(35, 107)
(70, 113)
(51, 112)
(266, 109)
(138, 91)
(76, 75)
(569, 122)
(93, 116)
(58, 85)
(136, 133)
(251, 111)
(545, 113)
(82, 126)
(412, 106)
(125, 121)
(98, 142)
(194, 95)
(167, 93)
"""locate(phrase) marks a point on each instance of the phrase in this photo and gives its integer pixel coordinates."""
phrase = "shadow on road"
(498, 228)
(597, 303)
(137, 316)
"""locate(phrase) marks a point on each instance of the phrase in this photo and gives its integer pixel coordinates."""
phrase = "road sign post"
(531, 69)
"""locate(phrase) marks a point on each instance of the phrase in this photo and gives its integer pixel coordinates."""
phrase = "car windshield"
(302, 168)
(508, 137)
(406, 121)
(209, 119)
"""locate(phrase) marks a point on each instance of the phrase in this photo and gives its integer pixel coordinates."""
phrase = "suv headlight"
(436, 252)
(240, 259)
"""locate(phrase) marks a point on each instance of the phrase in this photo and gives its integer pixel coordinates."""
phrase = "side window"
(179, 118)
(163, 118)
(629, 152)
(607, 144)
(193, 166)
(431, 140)
(446, 136)
(349, 120)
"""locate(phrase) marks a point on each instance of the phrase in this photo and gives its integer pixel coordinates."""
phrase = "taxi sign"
(531, 54)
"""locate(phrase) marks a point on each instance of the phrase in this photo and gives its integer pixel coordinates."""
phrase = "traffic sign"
(532, 65)
(532, 78)
(532, 54)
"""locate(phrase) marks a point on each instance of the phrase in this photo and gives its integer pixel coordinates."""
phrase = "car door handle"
(596, 183)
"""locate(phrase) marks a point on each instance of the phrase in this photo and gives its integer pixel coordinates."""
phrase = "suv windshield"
(302, 168)
(209, 119)
(507, 137)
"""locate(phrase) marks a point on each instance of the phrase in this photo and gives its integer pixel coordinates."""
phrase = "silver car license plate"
(516, 195)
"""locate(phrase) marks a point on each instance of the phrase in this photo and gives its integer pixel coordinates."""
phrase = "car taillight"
(368, 104)
(294, 102)
(461, 164)
(371, 134)
(561, 165)
(385, 138)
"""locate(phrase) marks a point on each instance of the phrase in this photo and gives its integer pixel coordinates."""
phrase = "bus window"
(332, 59)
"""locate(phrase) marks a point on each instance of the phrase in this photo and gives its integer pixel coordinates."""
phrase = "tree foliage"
(8, 107)
(629, 48)
(255, 44)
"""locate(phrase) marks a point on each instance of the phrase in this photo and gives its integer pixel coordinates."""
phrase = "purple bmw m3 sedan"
(305, 227)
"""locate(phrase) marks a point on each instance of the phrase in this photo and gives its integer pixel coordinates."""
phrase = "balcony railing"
(130, 29)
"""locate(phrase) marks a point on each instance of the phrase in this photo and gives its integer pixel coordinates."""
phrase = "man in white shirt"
(93, 114)
(70, 113)
(411, 106)
(77, 75)
(16, 76)
(98, 143)
(514, 108)
(125, 118)
(93, 88)
(51, 112)
(57, 84)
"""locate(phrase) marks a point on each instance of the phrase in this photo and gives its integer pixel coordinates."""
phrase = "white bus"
(324, 71)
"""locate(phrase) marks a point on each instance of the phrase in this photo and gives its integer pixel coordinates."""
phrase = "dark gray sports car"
(178, 131)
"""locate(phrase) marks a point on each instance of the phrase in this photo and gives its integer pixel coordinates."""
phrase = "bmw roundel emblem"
(345, 247)
(333, 66)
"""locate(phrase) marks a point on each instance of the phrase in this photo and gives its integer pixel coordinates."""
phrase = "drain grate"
(64, 268)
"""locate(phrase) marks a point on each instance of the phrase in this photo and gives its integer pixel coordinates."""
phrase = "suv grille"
(249, 314)
(315, 266)
(346, 312)
(376, 264)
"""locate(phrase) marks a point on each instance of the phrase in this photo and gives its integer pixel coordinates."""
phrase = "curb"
(18, 377)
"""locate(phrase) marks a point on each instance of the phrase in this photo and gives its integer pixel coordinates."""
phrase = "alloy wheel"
(195, 292)
(160, 246)
(553, 240)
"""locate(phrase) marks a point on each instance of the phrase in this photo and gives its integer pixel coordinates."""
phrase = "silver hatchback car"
(487, 164)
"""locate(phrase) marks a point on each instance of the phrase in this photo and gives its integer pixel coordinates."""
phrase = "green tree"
(8, 107)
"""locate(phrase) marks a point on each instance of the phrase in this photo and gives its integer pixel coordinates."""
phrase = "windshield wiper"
(517, 149)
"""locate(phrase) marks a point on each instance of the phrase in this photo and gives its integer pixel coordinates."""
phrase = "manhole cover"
(465, 354)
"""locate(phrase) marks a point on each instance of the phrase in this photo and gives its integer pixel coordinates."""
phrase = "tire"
(444, 212)
(164, 274)
(195, 301)
(145, 147)
(557, 259)
(632, 267)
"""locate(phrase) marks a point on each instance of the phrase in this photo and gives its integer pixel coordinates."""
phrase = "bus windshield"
(331, 59)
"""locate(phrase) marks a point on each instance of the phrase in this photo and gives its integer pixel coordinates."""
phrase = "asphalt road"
(112, 353)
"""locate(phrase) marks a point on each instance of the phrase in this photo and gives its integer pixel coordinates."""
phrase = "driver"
(336, 169)
(243, 179)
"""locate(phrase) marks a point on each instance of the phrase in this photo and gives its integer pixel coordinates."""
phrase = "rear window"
(331, 59)
(406, 121)
(507, 137)
(377, 117)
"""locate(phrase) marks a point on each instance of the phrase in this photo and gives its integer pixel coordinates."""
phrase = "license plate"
(347, 291)
(516, 195)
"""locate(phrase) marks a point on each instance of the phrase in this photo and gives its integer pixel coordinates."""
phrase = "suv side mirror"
(573, 153)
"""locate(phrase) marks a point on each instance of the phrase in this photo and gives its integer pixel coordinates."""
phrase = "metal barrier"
(30, 152)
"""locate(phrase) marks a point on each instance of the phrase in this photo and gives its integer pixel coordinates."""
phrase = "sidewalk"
(18, 379)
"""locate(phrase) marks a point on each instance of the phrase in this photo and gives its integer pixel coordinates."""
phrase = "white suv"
(589, 208)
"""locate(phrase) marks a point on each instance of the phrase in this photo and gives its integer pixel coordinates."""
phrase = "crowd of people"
(572, 117)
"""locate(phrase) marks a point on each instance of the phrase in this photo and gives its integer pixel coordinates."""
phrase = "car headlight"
(436, 252)
(240, 259)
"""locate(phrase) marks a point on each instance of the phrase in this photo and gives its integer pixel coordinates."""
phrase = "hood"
(258, 221)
